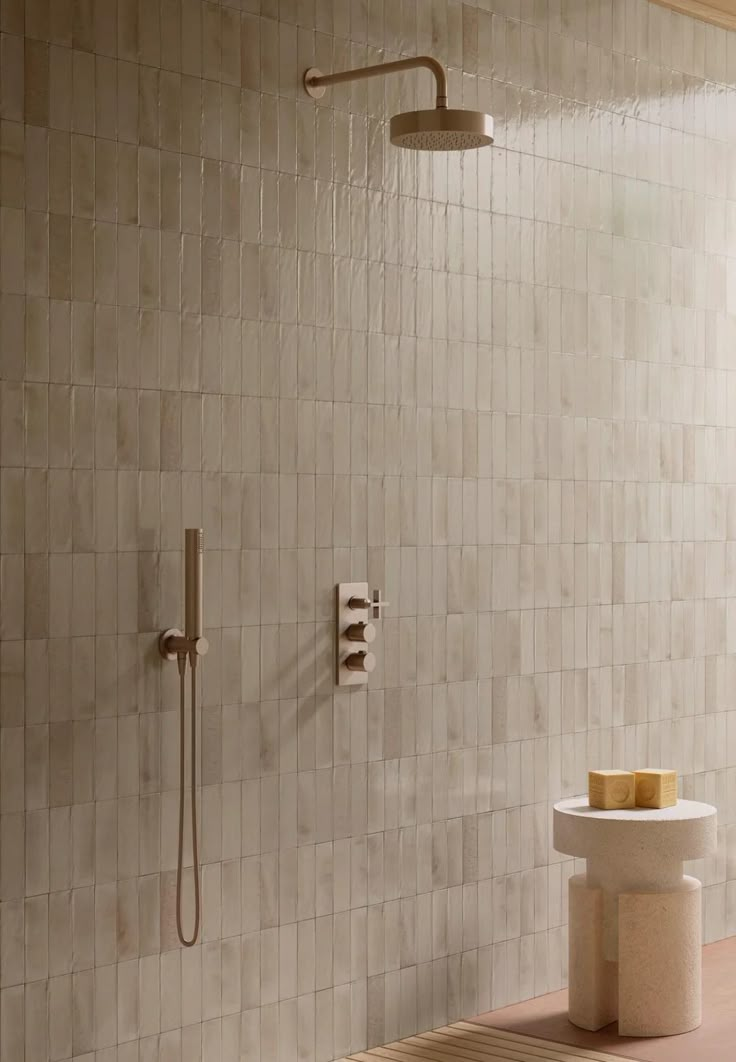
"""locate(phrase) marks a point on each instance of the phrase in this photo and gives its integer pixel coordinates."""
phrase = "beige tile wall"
(500, 385)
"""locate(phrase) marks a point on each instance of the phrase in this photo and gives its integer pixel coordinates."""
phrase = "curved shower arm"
(315, 81)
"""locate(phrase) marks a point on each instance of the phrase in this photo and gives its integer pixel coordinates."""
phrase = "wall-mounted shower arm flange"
(315, 82)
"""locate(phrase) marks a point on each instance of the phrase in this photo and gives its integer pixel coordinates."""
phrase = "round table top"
(683, 809)
(687, 830)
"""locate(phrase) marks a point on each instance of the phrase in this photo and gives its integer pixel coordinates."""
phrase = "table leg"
(659, 939)
(593, 990)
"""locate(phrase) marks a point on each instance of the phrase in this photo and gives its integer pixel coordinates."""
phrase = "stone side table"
(635, 919)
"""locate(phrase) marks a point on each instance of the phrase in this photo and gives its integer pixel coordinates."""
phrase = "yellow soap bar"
(611, 789)
(656, 788)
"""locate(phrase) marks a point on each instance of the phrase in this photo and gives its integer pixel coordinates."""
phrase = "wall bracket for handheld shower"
(173, 642)
(436, 129)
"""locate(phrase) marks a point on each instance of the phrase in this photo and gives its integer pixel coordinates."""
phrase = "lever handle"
(378, 603)
(375, 604)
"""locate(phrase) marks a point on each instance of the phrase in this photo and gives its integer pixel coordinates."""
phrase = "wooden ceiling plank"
(722, 13)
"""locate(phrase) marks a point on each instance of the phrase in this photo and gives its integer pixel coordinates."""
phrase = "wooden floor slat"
(501, 1047)
(425, 1049)
(588, 1054)
(467, 1041)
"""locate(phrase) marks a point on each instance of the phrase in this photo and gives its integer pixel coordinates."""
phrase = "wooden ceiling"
(720, 12)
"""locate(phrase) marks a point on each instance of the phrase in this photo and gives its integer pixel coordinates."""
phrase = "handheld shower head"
(437, 129)
(193, 558)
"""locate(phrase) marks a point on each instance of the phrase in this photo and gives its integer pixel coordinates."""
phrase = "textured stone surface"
(648, 913)
(633, 849)
(660, 961)
(593, 993)
(644, 835)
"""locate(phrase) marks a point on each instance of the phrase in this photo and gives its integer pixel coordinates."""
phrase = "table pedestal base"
(655, 986)
(593, 993)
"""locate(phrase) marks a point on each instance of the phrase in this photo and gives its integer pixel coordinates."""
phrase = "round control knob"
(360, 662)
(361, 632)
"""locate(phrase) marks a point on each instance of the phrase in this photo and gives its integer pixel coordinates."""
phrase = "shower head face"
(442, 129)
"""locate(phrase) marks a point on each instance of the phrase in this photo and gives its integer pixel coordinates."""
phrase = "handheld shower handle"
(193, 558)
(172, 644)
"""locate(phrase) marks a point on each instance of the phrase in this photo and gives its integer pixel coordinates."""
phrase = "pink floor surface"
(714, 1041)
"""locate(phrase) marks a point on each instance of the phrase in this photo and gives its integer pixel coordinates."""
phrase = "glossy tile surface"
(498, 385)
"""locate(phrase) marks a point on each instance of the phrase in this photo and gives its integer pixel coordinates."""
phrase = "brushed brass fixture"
(193, 560)
(357, 603)
(354, 609)
(173, 641)
(361, 661)
(185, 647)
(315, 82)
(375, 604)
(361, 632)
(436, 129)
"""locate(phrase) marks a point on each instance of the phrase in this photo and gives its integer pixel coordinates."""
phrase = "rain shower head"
(436, 129)
(442, 129)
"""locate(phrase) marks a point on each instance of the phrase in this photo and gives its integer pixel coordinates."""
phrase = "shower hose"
(182, 665)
